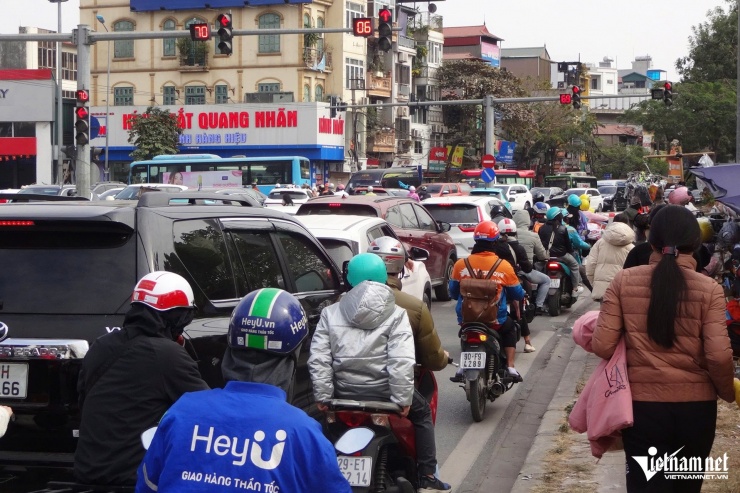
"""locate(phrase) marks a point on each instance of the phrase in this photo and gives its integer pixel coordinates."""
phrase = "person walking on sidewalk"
(678, 352)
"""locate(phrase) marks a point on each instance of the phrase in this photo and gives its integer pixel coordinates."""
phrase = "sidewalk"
(560, 459)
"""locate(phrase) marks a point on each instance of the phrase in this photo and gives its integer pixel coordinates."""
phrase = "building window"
(418, 147)
(434, 53)
(123, 96)
(355, 69)
(69, 66)
(306, 93)
(222, 94)
(169, 95)
(354, 10)
(168, 45)
(320, 41)
(123, 48)
(269, 43)
(269, 87)
(47, 54)
(195, 95)
(319, 93)
(595, 83)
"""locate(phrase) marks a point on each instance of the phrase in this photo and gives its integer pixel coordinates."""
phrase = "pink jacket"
(605, 404)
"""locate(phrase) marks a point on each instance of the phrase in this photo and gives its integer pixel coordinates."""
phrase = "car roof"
(378, 202)
(465, 199)
(156, 185)
(340, 226)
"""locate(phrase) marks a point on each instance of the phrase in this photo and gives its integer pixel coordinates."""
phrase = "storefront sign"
(437, 159)
(26, 96)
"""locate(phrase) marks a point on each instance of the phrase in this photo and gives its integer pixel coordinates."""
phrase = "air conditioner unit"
(402, 112)
(365, 101)
(403, 57)
(416, 133)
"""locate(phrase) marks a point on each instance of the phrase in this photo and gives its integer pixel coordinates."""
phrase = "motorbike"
(483, 362)
(376, 447)
(560, 294)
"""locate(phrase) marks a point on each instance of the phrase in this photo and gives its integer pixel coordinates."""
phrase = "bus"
(503, 177)
(209, 170)
(575, 179)
(399, 177)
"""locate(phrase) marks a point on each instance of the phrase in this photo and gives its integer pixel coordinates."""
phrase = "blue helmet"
(270, 320)
(574, 200)
(553, 212)
(366, 267)
(540, 207)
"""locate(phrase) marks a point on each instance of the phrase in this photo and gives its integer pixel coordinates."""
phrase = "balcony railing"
(406, 42)
(378, 86)
(317, 59)
(425, 21)
(194, 62)
(382, 141)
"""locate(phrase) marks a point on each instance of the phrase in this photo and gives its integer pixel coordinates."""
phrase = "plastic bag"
(706, 161)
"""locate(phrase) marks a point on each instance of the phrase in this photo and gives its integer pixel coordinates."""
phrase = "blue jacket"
(224, 440)
(578, 243)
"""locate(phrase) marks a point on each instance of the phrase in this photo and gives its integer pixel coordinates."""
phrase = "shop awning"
(17, 146)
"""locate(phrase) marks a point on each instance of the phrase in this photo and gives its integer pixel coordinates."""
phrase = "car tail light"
(475, 337)
(444, 204)
(16, 223)
(467, 228)
(554, 266)
(43, 349)
(334, 204)
(353, 419)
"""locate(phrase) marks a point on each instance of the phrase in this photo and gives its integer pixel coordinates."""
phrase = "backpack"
(481, 296)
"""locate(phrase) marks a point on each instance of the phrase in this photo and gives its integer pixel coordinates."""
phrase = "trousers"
(420, 415)
(543, 284)
(572, 263)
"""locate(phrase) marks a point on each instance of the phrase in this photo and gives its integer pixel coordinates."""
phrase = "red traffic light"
(576, 89)
(362, 26)
(82, 113)
(224, 20)
(82, 95)
(667, 86)
(385, 15)
(565, 99)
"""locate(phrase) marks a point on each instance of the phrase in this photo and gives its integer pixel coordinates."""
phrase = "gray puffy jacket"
(363, 348)
(528, 239)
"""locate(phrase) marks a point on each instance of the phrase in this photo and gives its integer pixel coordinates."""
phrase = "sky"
(590, 29)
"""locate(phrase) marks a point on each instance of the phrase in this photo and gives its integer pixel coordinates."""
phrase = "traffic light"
(565, 98)
(225, 34)
(575, 97)
(200, 32)
(82, 115)
(95, 153)
(333, 102)
(362, 26)
(668, 93)
(385, 30)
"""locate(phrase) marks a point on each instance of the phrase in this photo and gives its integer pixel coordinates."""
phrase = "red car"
(410, 220)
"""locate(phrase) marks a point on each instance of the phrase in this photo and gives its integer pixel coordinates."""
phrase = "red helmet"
(486, 231)
(680, 196)
(163, 291)
(507, 226)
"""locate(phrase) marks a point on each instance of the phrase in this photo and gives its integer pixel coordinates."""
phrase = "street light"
(101, 19)
(59, 90)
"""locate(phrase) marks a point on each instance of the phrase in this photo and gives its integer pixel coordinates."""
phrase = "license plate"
(472, 361)
(554, 283)
(357, 470)
(13, 380)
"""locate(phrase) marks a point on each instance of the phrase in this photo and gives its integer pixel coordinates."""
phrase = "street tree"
(154, 132)
(619, 160)
(712, 48)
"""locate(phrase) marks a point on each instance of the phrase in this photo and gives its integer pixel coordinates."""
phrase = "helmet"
(369, 188)
(707, 231)
(538, 197)
(486, 231)
(498, 210)
(507, 226)
(412, 188)
(366, 267)
(423, 188)
(340, 187)
(391, 251)
(540, 207)
(679, 196)
(585, 202)
(331, 186)
(574, 200)
(163, 291)
(273, 309)
(554, 212)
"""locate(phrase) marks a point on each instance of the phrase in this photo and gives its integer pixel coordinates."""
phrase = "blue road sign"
(488, 175)
(94, 127)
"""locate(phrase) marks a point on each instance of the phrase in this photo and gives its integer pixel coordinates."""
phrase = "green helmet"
(552, 213)
(366, 267)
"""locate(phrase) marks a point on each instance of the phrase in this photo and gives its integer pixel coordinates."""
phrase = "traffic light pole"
(82, 166)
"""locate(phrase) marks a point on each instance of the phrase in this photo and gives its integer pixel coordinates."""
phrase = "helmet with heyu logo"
(270, 320)
(163, 291)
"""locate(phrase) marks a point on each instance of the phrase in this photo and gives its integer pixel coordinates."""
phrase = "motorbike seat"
(366, 406)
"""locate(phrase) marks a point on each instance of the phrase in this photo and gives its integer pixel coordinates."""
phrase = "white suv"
(596, 201)
(518, 196)
(463, 213)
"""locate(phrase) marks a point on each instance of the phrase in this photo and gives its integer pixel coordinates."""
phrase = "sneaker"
(458, 378)
(540, 310)
(579, 290)
(517, 376)
(431, 484)
(528, 348)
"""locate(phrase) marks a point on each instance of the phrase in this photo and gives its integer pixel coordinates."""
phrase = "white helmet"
(369, 188)
(507, 226)
(391, 251)
(163, 291)
(412, 188)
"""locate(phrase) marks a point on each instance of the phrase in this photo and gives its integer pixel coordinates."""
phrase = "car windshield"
(504, 188)
(543, 190)
(493, 192)
(608, 190)
(434, 188)
(340, 251)
(577, 191)
(454, 213)
(133, 193)
(41, 190)
(278, 195)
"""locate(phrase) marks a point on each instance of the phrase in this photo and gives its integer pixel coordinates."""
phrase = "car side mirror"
(444, 227)
(419, 254)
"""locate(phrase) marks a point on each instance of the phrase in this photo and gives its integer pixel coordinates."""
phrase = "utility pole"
(82, 170)
(490, 125)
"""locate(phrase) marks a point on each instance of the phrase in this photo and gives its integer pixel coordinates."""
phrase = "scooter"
(560, 294)
(483, 362)
(376, 447)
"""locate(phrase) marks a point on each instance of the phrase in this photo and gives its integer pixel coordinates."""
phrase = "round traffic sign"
(488, 161)
(488, 175)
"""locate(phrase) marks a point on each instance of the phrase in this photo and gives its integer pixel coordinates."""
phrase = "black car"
(68, 273)
(614, 197)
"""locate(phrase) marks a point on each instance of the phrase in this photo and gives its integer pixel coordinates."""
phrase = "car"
(346, 236)
(463, 214)
(409, 219)
(78, 263)
(596, 201)
(518, 196)
(547, 191)
(8, 191)
(103, 186)
(110, 194)
(298, 196)
(248, 192)
(614, 196)
(58, 190)
(449, 189)
(136, 190)
(376, 190)
(491, 192)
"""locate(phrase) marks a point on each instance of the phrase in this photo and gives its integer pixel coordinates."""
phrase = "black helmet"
(538, 197)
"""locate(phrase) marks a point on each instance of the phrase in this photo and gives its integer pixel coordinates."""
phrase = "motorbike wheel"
(553, 304)
(478, 397)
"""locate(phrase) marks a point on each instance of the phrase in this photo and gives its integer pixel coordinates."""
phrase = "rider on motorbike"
(538, 218)
(535, 251)
(556, 240)
(483, 258)
(363, 349)
(577, 219)
(207, 434)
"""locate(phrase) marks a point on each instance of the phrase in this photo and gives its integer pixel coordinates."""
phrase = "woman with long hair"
(678, 352)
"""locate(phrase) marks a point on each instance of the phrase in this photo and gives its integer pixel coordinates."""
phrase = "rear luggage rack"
(162, 199)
